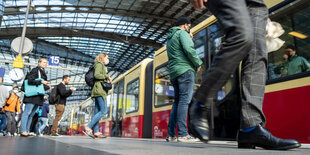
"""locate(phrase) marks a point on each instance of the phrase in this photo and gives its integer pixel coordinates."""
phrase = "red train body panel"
(105, 128)
(160, 124)
(287, 113)
(133, 127)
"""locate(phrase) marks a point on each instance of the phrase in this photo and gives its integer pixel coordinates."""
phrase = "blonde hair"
(101, 57)
(41, 59)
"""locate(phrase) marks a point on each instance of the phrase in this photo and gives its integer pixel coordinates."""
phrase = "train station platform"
(84, 145)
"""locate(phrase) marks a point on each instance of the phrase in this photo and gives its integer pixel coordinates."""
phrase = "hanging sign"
(18, 62)
(54, 61)
(2, 71)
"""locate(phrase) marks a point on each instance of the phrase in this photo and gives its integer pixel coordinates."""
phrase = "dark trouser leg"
(174, 111)
(3, 121)
(234, 17)
(253, 75)
(9, 121)
(235, 20)
(244, 24)
(13, 126)
(60, 108)
(186, 86)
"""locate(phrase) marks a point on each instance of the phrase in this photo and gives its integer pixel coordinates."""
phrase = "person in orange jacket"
(12, 105)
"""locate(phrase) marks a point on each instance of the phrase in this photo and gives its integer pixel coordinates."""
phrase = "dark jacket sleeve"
(47, 109)
(63, 92)
(32, 76)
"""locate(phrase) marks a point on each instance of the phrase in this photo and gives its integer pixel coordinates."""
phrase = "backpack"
(89, 77)
(53, 97)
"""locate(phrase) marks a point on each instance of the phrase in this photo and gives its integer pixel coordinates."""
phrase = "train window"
(295, 21)
(117, 103)
(132, 96)
(164, 92)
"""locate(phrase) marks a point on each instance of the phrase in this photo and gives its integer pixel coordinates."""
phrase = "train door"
(117, 109)
(224, 113)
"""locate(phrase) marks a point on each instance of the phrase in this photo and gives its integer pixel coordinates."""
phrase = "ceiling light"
(298, 35)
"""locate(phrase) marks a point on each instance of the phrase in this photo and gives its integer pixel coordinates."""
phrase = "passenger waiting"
(183, 62)
(283, 68)
(43, 117)
(61, 103)
(32, 102)
(100, 94)
(297, 63)
(4, 94)
(12, 105)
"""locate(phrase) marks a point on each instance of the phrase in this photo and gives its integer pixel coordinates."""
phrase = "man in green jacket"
(183, 63)
(297, 64)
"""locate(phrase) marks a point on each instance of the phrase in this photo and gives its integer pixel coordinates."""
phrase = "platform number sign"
(54, 61)
(2, 71)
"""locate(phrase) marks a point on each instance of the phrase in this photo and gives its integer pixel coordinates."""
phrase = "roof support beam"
(10, 33)
(16, 10)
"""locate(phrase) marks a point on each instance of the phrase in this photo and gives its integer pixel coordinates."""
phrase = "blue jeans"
(183, 89)
(27, 116)
(100, 109)
(3, 122)
(42, 123)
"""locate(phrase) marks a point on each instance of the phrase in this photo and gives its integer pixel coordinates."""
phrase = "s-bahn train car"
(80, 116)
(129, 106)
(141, 99)
(131, 102)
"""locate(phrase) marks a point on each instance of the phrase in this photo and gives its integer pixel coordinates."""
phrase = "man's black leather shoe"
(198, 123)
(260, 137)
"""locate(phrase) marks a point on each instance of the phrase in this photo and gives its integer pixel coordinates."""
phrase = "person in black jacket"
(61, 103)
(33, 102)
(43, 117)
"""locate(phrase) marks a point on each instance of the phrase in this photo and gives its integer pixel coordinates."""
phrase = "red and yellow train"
(139, 103)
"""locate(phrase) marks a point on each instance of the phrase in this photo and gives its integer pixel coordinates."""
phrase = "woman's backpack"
(89, 77)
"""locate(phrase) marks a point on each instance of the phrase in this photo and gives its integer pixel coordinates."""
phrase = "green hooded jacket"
(297, 64)
(181, 53)
(100, 76)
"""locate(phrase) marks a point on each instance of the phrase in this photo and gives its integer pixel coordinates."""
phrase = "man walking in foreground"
(244, 24)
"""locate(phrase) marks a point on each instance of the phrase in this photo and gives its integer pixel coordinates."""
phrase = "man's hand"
(198, 4)
(72, 88)
(198, 70)
(190, 34)
(110, 80)
(44, 82)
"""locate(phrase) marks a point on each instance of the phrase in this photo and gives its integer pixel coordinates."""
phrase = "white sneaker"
(188, 139)
(32, 134)
(171, 139)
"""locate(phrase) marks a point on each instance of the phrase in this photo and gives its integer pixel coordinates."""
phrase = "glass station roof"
(78, 30)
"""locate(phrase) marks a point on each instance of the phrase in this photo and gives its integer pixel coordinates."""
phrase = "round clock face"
(159, 89)
(16, 74)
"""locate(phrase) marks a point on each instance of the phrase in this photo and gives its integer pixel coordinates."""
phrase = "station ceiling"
(78, 30)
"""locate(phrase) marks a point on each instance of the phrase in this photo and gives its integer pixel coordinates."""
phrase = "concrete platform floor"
(84, 145)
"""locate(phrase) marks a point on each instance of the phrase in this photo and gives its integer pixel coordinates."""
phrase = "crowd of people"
(242, 43)
(33, 109)
(27, 114)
